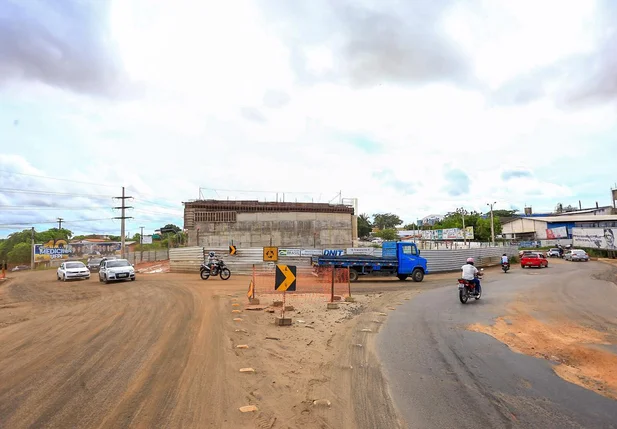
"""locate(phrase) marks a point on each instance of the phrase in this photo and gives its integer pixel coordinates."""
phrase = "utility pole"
(122, 218)
(60, 223)
(141, 244)
(32, 253)
(492, 222)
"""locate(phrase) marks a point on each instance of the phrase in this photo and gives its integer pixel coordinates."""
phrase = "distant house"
(430, 220)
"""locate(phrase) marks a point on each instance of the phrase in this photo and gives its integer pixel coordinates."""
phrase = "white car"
(115, 270)
(576, 255)
(72, 270)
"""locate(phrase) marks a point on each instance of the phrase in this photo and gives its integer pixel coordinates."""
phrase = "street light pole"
(492, 223)
(462, 212)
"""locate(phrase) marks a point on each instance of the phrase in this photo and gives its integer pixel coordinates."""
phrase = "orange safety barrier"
(324, 284)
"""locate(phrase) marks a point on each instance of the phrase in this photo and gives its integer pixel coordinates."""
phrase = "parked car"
(116, 270)
(522, 253)
(72, 270)
(576, 255)
(554, 253)
(534, 260)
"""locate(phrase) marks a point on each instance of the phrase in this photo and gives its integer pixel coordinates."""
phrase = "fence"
(148, 256)
(188, 259)
(323, 284)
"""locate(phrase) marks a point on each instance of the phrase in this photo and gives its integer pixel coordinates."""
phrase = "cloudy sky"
(413, 107)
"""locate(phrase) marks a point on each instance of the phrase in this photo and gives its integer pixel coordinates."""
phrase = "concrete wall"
(524, 226)
(277, 229)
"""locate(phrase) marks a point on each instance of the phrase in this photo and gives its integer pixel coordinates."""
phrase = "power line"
(44, 222)
(41, 192)
(37, 208)
(57, 178)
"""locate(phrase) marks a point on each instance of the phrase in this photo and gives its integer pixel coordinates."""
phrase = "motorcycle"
(505, 266)
(216, 268)
(467, 290)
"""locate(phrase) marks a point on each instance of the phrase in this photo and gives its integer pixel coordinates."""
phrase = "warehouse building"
(558, 227)
(217, 223)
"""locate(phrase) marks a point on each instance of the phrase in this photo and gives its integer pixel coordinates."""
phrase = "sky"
(412, 107)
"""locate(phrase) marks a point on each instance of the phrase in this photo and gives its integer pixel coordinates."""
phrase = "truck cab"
(408, 258)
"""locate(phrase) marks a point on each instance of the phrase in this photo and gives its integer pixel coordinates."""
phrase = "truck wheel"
(353, 275)
(417, 275)
(402, 277)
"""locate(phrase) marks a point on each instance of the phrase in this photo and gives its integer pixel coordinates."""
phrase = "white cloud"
(226, 106)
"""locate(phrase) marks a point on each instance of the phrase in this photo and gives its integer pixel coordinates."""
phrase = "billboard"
(554, 233)
(146, 239)
(60, 249)
(439, 234)
(595, 238)
(84, 249)
(53, 249)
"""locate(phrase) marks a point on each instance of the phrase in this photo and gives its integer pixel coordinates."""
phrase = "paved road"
(444, 376)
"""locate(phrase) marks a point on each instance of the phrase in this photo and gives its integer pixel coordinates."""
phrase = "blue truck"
(400, 259)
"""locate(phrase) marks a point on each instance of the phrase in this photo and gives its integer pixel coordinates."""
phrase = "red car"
(534, 260)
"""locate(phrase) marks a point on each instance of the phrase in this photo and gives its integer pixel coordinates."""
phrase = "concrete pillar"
(354, 229)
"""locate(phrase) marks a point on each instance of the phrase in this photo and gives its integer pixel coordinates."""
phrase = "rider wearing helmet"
(470, 273)
(211, 259)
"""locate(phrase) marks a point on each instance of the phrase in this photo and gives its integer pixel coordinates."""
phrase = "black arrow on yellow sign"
(285, 279)
(232, 250)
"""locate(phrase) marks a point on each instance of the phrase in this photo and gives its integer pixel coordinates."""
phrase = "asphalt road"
(442, 375)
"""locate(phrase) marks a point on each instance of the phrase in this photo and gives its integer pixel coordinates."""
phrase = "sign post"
(284, 280)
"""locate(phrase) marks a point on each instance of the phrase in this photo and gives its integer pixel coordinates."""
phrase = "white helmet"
(470, 260)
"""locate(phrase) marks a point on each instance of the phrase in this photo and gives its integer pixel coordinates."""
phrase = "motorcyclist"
(471, 274)
(504, 259)
(211, 260)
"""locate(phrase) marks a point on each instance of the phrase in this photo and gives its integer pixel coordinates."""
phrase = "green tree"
(504, 213)
(386, 220)
(170, 227)
(387, 234)
(20, 254)
(364, 226)
(410, 227)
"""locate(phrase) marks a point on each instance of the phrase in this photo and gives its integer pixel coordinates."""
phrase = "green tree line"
(387, 224)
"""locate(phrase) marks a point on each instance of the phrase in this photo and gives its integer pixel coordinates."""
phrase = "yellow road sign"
(271, 254)
(233, 250)
(285, 279)
(251, 292)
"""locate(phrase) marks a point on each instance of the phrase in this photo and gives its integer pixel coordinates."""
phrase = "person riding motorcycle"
(212, 260)
(471, 274)
(504, 259)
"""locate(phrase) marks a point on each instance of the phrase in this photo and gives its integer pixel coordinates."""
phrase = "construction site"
(219, 223)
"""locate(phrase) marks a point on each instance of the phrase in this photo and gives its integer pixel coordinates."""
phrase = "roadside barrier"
(325, 284)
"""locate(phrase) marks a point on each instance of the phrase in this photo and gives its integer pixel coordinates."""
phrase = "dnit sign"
(333, 252)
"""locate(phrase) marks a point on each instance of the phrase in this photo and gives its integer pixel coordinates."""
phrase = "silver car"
(577, 255)
(116, 270)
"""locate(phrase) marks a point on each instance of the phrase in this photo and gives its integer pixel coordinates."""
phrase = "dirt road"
(163, 352)
(136, 354)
